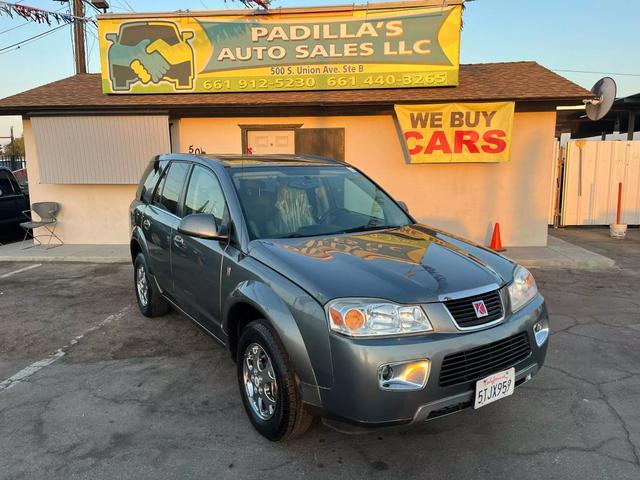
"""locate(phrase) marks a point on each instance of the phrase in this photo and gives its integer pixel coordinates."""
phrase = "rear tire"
(150, 301)
(286, 417)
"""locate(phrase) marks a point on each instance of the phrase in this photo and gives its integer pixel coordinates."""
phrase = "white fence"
(592, 171)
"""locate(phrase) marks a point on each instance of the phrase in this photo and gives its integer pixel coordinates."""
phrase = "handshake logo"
(150, 53)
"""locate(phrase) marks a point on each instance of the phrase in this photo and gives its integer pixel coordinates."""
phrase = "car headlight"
(522, 289)
(366, 318)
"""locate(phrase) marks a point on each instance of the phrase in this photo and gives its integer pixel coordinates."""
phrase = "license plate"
(494, 387)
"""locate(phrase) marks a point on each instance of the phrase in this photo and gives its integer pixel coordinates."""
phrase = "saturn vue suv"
(332, 300)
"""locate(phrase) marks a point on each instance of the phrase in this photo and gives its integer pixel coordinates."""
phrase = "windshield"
(304, 201)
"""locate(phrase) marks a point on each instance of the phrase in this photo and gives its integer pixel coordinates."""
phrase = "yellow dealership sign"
(377, 46)
(456, 132)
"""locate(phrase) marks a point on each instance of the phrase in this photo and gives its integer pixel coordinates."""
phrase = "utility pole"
(14, 163)
(78, 36)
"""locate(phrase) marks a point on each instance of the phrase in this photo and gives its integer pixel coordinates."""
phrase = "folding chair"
(47, 211)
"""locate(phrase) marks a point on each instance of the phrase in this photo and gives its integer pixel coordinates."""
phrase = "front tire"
(267, 385)
(150, 301)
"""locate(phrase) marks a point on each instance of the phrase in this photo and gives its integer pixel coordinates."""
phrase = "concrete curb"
(567, 265)
(66, 254)
(64, 259)
(559, 254)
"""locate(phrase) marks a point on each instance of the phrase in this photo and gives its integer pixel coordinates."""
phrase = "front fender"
(294, 316)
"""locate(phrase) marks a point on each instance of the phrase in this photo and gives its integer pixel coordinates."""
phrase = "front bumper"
(355, 402)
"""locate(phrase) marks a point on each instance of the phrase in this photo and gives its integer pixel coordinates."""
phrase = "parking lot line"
(30, 267)
(28, 371)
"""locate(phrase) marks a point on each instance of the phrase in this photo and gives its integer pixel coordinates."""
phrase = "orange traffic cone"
(496, 242)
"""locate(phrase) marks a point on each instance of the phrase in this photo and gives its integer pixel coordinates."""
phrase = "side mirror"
(403, 206)
(111, 37)
(187, 36)
(202, 225)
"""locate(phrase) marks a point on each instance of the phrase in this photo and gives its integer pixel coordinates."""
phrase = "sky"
(568, 36)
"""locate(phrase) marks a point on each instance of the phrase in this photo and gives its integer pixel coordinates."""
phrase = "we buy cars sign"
(456, 132)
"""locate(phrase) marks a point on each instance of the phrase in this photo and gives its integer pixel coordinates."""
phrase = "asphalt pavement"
(91, 389)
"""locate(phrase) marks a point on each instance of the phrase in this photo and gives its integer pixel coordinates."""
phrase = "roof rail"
(318, 157)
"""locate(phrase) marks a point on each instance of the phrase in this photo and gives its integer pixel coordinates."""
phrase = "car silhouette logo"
(480, 309)
(150, 53)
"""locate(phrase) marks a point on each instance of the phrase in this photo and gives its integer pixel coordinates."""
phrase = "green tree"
(17, 149)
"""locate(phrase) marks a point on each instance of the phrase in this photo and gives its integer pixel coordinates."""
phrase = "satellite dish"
(604, 92)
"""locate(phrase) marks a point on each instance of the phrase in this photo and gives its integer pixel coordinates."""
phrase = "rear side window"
(157, 196)
(153, 173)
(168, 191)
(204, 195)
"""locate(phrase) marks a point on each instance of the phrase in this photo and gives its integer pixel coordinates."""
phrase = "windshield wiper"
(366, 228)
(293, 235)
(300, 235)
(361, 228)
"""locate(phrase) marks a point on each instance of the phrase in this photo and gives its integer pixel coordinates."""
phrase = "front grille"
(480, 362)
(464, 314)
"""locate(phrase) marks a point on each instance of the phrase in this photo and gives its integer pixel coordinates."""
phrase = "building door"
(270, 142)
(326, 142)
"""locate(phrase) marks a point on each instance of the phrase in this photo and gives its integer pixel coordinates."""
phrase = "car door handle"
(146, 223)
(178, 241)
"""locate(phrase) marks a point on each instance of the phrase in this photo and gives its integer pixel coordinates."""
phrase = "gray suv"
(331, 299)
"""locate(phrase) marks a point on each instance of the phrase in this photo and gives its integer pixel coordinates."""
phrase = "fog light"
(541, 332)
(404, 376)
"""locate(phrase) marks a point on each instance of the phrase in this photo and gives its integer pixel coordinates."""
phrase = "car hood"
(412, 264)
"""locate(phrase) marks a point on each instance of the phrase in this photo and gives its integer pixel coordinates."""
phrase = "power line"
(28, 40)
(50, 12)
(597, 73)
(71, 40)
(124, 5)
(25, 23)
(17, 26)
(92, 6)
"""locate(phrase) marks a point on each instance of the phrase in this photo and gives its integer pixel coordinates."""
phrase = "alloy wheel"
(142, 285)
(260, 381)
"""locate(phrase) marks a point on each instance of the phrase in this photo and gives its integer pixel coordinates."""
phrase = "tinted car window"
(157, 196)
(168, 192)
(154, 170)
(6, 185)
(204, 195)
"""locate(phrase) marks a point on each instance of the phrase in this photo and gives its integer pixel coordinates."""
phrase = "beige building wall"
(465, 199)
(90, 214)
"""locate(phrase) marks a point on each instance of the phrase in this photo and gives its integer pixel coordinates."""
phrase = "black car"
(13, 200)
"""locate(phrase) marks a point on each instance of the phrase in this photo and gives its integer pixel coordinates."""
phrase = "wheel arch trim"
(275, 311)
(138, 237)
